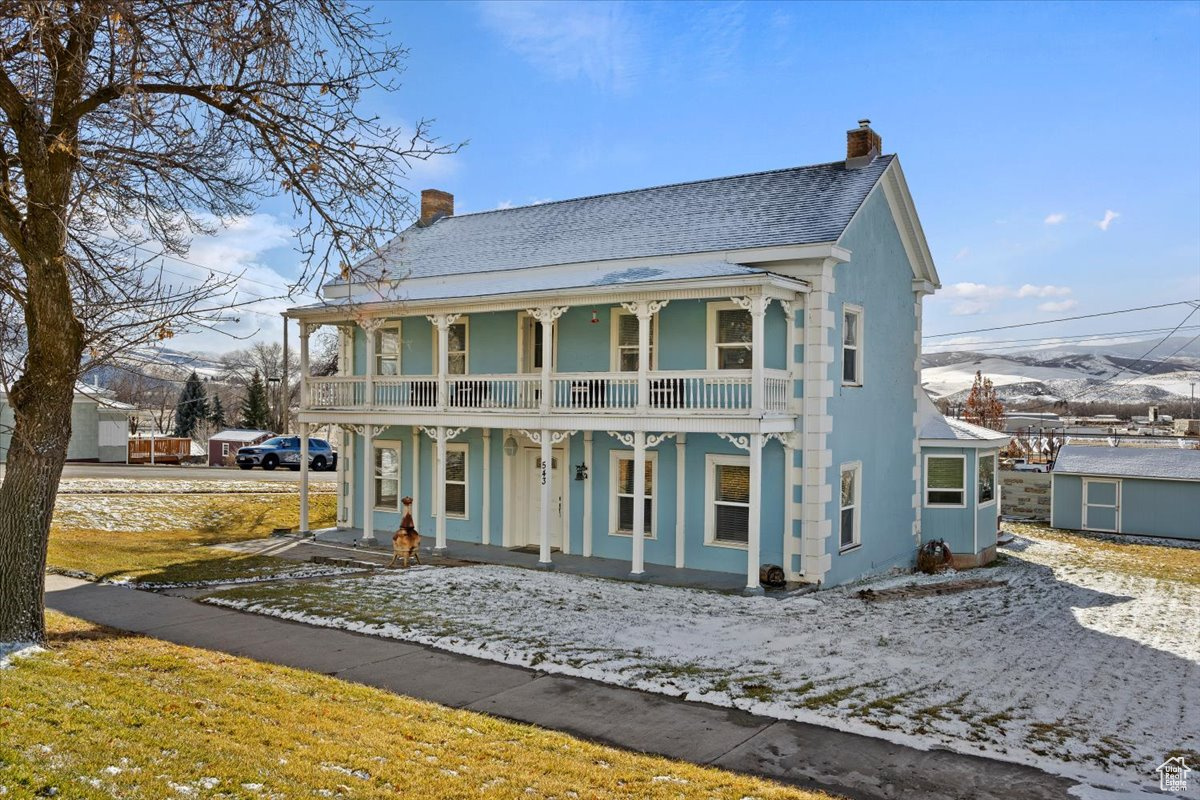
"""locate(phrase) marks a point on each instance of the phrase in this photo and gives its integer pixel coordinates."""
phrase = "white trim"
(859, 347)
(962, 459)
(711, 462)
(613, 512)
(1083, 499)
(485, 527)
(376, 336)
(465, 449)
(995, 456)
(465, 321)
(710, 327)
(524, 318)
(614, 352)
(680, 499)
(856, 534)
(397, 446)
(904, 216)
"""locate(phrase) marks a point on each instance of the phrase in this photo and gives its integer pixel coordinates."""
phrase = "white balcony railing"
(711, 392)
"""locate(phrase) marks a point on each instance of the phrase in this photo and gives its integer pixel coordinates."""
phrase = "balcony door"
(530, 520)
(530, 341)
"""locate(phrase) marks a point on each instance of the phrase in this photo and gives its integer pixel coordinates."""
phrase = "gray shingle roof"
(1130, 462)
(800, 205)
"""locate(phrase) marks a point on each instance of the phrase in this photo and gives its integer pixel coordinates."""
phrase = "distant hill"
(1109, 373)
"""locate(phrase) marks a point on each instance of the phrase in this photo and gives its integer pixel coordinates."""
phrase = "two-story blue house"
(713, 375)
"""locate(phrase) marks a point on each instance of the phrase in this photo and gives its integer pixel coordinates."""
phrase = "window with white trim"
(456, 480)
(987, 478)
(727, 515)
(387, 351)
(621, 507)
(852, 336)
(850, 496)
(387, 476)
(730, 337)
(625, 341)
(945, 481)
(224, 449)
(457, 344)
(529, 338)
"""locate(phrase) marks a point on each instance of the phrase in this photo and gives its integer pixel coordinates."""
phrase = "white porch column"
(587, 494)
(303, 450)
(368, 473)
(440, 490)
(369, 326)
(547, 475)
(680, 494)
(416, 475)
(546, 317)
(757, 306)
(485, 533)
(644, 310)
(753, 559)
(343, 477)
(443, 322)
(305, 330)
(639, 504)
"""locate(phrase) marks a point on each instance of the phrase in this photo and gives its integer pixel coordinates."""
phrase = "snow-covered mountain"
(1109, 373)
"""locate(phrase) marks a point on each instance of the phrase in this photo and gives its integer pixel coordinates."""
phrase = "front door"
(533, 491)
(1101, 505)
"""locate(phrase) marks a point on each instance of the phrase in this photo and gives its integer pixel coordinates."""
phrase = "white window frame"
(378, 334)
(856, 534)
(711, 462)
(224, 449)
(397, 446)
(995, 457)
(525, 345)
(465, 321)
(962, 459)
(851, 308)
(614, 350)
(711, 335)
(465, 449)
(614, 458)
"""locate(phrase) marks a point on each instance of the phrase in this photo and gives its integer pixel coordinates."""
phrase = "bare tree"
(128, 126)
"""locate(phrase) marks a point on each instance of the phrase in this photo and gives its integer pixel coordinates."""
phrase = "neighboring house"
(223, 446)
(960, 484)
(99, 426)
(749, 344)
(1139, 490)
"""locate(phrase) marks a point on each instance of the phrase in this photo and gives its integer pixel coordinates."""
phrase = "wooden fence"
(166, 450)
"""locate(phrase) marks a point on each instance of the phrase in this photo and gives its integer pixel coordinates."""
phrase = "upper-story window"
(625, 341)
(730, 337)
(530, 350)
(457, 336)
(387, 351)
(852, 335)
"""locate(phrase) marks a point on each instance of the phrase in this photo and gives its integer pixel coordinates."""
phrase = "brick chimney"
(862, 145)
(435, 204)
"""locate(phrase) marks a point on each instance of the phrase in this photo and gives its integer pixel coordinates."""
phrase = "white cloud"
(968, 308)
(596, 41)
(978, 291)
(1049, 290)
(1055, 218)
(961, 254)
(1109, 216)
(1057, 305)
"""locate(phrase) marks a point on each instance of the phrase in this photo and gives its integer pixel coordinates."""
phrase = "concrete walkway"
(805, 755)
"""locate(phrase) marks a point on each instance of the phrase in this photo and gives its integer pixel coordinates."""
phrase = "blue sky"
(1052, 149)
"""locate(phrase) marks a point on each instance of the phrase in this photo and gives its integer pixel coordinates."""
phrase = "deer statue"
(406, 540)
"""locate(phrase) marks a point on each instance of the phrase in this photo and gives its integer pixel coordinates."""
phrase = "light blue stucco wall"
(972, 528)
(1148, 507)
(873, 424)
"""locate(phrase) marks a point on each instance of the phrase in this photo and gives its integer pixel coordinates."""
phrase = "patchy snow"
(1089, 673)
(137, 486)
(10, 651)
(280, 573)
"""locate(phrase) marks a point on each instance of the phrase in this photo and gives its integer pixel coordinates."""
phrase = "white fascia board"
(975, 444)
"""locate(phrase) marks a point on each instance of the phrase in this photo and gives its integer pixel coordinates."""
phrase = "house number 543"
(543, 473)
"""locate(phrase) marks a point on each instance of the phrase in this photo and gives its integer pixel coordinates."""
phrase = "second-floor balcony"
(707, 392)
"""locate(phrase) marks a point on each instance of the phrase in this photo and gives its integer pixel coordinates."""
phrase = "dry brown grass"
(162, 717)
(1122, 554)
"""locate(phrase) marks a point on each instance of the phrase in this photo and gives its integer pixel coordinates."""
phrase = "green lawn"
(170, 538)
(104, 714)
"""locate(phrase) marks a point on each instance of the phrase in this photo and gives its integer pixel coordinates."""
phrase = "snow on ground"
(287, 571)
(174, 487)
(136, 512)
(1090, 673)
(9, 651)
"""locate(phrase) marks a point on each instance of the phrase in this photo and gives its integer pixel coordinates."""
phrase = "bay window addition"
(387, 351)
(850, 502)
(730, 334)
(852, 324)
(456, 480)
(621, 509)
(987, 478)
(387, 476)
(945, 481)
(625, 341)
(727, 518)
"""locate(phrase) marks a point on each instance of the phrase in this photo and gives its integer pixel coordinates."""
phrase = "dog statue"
(406, 541)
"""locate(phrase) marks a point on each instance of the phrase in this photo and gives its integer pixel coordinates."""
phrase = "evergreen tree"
(192, 408)
(216, 413)
(255, 411)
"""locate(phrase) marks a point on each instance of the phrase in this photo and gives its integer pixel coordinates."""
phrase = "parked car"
(1021, 465)
(285, 451)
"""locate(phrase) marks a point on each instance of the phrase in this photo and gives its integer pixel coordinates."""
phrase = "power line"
(1061, 319)
(1047, 341)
